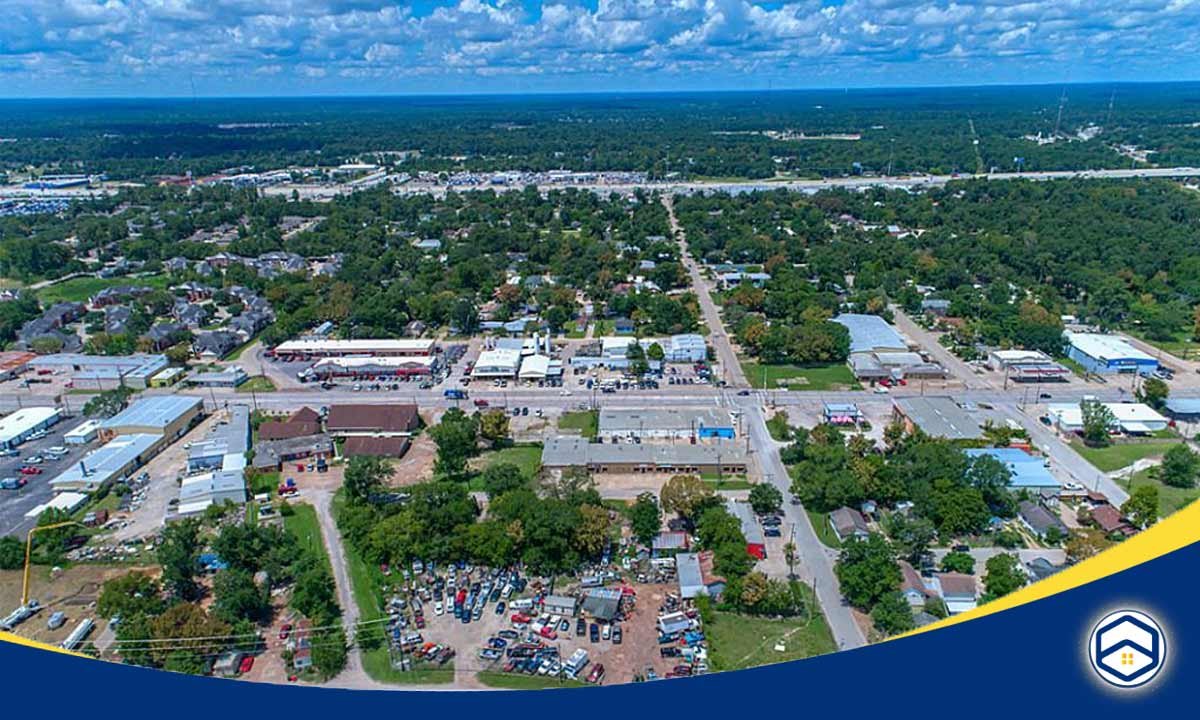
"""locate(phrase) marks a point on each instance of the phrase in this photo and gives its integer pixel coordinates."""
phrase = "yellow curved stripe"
(1179, 530)
(18, 640)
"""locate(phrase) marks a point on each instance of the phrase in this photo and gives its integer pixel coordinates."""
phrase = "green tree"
(892, 614)
(645, 518)
(502, 477)
(765, 498)
(1153, 392)
(1097, 420)
(685, 495)
(959, 562)
(1003, 575)
(1142, 506)
(910, 535)
(178, 553)
(493, 427)
(592, 533)
(134, 593)
(12, 553)
(1179, 467)
(455, 438)
(238, 597)
(365, 476)
(867, 570)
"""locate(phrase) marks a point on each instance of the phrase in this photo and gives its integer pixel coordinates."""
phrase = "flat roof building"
(674, 458)
(685, 348)
(166, 415)
(322, 347)
(229, 377)
(1026, 472)
(937, 417)
(666, 423)
(497, 363)
(198, 492)
(375, 365)
(1099, 353)
(1130, 418)
(104, 372)
(16, 427)
(116, 460)
(871, 333)
(83, 433)
(1027, 365)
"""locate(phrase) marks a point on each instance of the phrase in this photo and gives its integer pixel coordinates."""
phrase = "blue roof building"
(1027, 472)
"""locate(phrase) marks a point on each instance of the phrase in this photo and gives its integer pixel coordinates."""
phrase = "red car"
(30, 470)
(597, 674)
(548, 633)
(480, 402)
(285, 630)
(247, 664)
(520, 618)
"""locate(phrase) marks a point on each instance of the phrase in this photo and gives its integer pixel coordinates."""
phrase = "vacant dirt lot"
(72, 590)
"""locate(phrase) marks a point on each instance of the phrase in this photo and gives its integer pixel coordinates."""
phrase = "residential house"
(847, 522)
(214, 345)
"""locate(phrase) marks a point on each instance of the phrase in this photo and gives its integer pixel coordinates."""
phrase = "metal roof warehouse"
(17, 427)
(725, 457)
(166, 414)
(870, 332)
(667, 422)
(938, 417)
(114, 461)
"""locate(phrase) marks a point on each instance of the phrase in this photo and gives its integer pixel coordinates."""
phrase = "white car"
(606, 631)
(880, 390)
(437, 608)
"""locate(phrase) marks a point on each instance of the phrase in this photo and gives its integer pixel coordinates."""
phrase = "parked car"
(247, 665)
(594, 632)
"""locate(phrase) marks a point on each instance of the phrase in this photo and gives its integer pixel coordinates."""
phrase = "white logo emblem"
(1127, 648)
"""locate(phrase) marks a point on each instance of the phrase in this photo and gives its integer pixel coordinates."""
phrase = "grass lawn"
(587, 422)
(574, 330)
(366, 581)
(1071, 365)
(82, 288)
(741, 641)
(727, 482)
(237, 354)
(795, 377)
(514, 681)
(604, 328)
(267, 482)
(820, 523)
(1170, 499)
(527, 457)
(1119, 455)
(303, 525)
(1180, 344)
(258, 383)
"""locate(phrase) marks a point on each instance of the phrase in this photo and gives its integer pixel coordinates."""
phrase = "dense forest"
(749, 135)
(1011, 256)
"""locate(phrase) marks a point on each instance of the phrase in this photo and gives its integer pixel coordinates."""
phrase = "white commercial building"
(17, 427)
(540, 367)
(1131, 418)
(83, 433)
(116, 460)
(67, 502)
(686, 348)
(497, 364)
(198, 492)
(320, 347)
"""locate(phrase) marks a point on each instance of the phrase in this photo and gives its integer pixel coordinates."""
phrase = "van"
(591, 581)
(521, 604)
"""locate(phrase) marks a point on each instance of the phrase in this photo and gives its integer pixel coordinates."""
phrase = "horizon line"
(600, 93)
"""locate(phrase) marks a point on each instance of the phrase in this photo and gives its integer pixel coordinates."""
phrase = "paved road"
(731, 368)
(818, 559)
(958, 367)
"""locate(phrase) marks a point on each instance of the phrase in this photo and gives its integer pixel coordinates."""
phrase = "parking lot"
(15, 503)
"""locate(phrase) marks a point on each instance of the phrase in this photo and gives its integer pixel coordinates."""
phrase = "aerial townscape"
(557, 390)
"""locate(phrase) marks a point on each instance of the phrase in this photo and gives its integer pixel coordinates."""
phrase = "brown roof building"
(388, 447)
(275, 430)
(1109, 519)
(305, 414)
(348, 420)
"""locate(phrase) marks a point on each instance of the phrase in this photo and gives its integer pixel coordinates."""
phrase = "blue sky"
(290, 47)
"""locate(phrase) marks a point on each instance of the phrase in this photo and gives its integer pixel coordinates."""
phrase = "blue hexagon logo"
(1127, 648)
